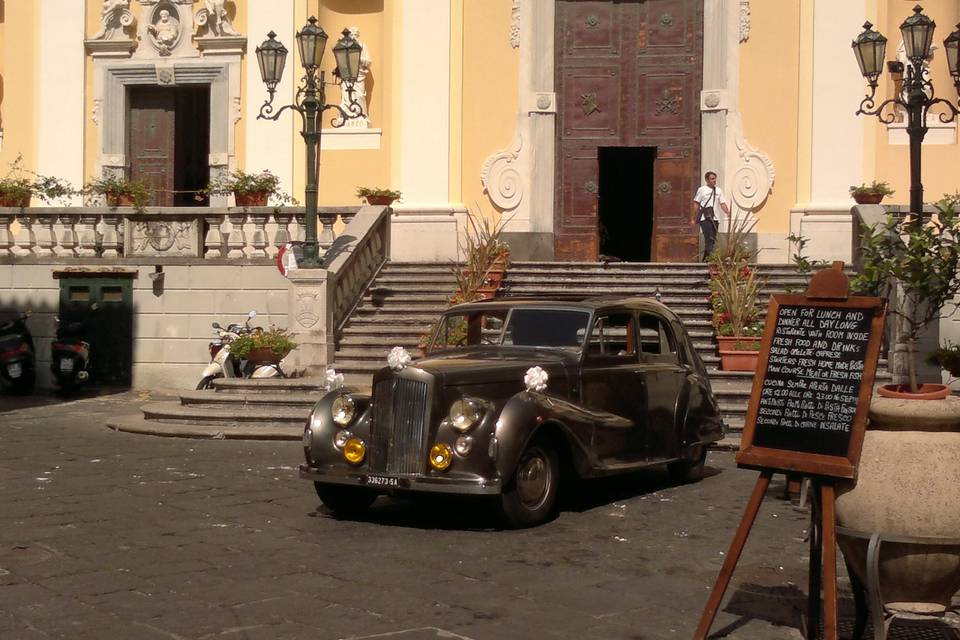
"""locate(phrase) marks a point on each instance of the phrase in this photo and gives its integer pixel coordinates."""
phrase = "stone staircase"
(406, 298)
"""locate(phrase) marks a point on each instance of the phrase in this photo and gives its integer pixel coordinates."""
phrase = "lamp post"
(917, 96)
(310, 103)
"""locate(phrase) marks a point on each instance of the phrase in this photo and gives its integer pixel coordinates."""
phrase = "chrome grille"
(398, 426)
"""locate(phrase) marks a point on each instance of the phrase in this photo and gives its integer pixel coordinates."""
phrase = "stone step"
(174, 412)
(222, 431)
(251, 398)
(268, 385)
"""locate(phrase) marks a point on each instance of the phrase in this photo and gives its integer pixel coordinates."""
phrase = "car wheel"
(345, 501)
(531, 494)
(688, 469)
(205, 382)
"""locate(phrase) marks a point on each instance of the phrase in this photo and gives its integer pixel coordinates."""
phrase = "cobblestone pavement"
(111, 535)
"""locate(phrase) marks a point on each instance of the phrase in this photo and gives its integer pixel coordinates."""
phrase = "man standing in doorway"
(705, 204)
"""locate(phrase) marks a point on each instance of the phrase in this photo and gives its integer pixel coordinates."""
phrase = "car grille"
(398, 426)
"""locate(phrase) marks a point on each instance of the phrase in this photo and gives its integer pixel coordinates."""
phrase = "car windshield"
(527, 327)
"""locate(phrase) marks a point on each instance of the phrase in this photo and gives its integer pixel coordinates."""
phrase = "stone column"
(310, 321)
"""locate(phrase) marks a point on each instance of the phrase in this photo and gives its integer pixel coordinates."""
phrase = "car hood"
(492, 365)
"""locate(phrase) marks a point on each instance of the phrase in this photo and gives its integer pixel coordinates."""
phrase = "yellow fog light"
(354, 451)
(440, 456)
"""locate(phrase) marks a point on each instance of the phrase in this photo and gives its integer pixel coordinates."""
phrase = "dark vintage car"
(625, 389)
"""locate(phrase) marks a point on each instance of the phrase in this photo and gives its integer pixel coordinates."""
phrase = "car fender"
(525, 414)
(701, 421)
(321, 448)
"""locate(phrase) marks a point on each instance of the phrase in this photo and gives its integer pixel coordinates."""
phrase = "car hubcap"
(533, 479)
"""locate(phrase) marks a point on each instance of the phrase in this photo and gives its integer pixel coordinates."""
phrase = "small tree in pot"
(919, 260)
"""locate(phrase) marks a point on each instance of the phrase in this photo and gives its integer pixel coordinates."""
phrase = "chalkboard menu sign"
(817, 362)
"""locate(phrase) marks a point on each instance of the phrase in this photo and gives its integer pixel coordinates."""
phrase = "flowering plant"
(114, 188)
(734, 294)
(238, 182)
(17, 187)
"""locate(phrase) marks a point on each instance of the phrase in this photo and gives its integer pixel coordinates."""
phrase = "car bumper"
(389, 483)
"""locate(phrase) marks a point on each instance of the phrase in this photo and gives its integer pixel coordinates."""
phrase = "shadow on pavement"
(46, 397)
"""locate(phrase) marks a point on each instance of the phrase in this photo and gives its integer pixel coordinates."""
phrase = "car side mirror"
(252, 315)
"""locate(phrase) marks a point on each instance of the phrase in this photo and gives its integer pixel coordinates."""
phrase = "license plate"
(14, 370)
(383, 481)
(66, 364)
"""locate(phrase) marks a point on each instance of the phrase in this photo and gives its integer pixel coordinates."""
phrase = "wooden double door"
(168, 142)
(628, 75)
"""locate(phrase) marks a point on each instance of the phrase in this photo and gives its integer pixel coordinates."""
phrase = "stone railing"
(354, 260)
(181, 232)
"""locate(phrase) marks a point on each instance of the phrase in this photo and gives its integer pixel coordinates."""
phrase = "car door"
(613, 389)
(664, 378)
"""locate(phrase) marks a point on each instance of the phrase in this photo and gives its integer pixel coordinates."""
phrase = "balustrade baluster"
(88, 234)
(68, 241)
(26, 238)
(112, 241)
(282, 237)
(237, 239)
(326, 231)
(46, 240)
(6, 236)
(259, 242)
(213, 240)
(301, 233)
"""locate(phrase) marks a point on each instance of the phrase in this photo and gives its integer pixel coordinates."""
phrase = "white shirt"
(705, 198)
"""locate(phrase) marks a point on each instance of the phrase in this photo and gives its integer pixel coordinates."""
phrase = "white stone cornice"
(744, 20)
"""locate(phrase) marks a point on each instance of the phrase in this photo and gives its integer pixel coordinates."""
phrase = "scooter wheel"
(205, 382)
(24, 386)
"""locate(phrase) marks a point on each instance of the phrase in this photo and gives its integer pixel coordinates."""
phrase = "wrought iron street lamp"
(310, 103)
(917, 96)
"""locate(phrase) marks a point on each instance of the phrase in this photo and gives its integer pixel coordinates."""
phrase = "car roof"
(593, 303)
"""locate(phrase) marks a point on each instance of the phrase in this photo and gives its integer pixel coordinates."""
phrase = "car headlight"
(340, 440)
(343, 410)
(464, 414)
(440, 456)
(355, 450)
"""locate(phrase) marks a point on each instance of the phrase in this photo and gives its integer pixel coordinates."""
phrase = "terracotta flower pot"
(733, 355)
(263, 355)
(251, 199)
(379, 201)
(868, 198)
(15, 201)
(119, 200)
(925, 392)
(908, 484)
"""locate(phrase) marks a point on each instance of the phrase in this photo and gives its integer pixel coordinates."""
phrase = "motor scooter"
(17, 355)
(70, 356)
(224, 364)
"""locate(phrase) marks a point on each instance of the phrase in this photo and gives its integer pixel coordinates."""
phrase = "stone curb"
(136, 424)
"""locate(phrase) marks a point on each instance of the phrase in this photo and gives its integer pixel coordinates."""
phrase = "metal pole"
(311, 110)
(916, 130)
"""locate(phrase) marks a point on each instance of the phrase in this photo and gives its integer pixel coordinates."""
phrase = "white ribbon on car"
(535, 379)
(398, 358)
(333, 380)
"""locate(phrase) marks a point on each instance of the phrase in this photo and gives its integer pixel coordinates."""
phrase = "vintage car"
(513, 395)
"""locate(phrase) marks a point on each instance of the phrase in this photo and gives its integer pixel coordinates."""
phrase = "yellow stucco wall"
(891, 163)
(769, 101)
(18, 91)
(491, 77)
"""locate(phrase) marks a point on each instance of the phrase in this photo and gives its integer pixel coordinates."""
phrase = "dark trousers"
(709, 229)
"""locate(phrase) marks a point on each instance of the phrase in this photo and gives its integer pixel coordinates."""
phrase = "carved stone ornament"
(164, 28)
(501, 177)
(711, 100)
(174, 237)
(515, 24)
(753, 177)
(588, 102)
(591, 187)
(664, 188)
(213, 15)
(307, 304)
(592, 21)
(666, 20)
(744, 20)
(115, 16)
(668, 101)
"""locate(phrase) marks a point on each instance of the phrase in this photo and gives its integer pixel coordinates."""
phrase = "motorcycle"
(224, 364)
(70, 356)
(17, 355)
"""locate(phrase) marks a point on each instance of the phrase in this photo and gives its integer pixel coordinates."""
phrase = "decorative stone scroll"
(515, 24)
(115, 17)
(744, 20)
(754, 174)
(214, 16)
(501, 177)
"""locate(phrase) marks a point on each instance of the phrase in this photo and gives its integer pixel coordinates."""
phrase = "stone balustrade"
(184, 232)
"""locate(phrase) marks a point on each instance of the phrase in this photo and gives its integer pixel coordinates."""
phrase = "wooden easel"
(828, 290)
(823, 551)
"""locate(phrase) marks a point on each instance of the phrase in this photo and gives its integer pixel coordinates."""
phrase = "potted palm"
(249, 189)
(486, 258)
(734, 299)
(17, 187)
(119, 192)
(872, 193)
(375, 196)
(908, 481)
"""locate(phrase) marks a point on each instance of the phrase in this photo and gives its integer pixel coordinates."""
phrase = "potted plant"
(872, 193)
(248, 189)
(907, 481)
(16, 188)
(486, 258)
(734, 299)
(947, 358)
(376, 196)
(120, 192)
(259, 346)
